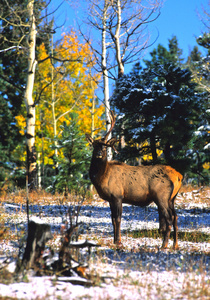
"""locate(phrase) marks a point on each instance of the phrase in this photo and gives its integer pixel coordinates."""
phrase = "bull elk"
(118, 183)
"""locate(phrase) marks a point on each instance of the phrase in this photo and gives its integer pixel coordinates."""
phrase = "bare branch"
(12, 48)
(79, 59)
(126, 23)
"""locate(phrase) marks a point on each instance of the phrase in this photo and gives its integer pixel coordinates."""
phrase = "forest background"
(162, 104)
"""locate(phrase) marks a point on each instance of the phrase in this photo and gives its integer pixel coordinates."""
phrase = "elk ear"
(89, 138)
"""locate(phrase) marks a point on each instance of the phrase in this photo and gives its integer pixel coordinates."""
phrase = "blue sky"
(178, 17)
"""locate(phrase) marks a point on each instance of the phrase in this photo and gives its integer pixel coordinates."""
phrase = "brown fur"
(118, 183)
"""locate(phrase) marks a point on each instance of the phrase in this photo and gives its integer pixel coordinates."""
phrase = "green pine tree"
(73, 166)
(162, 55)
(160, 110)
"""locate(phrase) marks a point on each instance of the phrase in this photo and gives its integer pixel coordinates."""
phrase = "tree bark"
(38, 235)
(167, 152)
(116, 38)
(153, 149)
(28, 98)
(105, 76)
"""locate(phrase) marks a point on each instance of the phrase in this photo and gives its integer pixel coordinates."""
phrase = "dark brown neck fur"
(97, 169)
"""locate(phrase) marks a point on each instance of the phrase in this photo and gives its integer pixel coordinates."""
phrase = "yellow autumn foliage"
(206, 165)
(21, 123)
(63, 85)
(148, 157)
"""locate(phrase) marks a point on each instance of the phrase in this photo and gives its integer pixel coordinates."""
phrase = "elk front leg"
(116, 213)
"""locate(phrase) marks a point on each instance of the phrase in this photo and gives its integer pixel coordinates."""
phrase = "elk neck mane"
(99, 168)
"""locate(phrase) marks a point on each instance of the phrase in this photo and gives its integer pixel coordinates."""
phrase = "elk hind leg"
(167, 215)
(174, 219)
(162, 222)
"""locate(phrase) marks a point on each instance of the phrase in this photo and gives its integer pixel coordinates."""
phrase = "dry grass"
(41, 197)
(188, 236)
(195, 194)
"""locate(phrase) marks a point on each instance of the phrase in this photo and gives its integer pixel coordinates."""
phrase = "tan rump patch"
(176, 178)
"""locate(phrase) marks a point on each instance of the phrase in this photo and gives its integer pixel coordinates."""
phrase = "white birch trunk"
(39, 173)
(93, 113)
(117, 41)
(28, 98)
(54, 127)
(105, 77)
(53, 113)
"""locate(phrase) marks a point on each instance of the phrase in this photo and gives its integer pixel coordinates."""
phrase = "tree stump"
(38, 235)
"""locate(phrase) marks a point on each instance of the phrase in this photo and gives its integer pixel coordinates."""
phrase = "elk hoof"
(119, 245)
(176, 247)
(164, 246)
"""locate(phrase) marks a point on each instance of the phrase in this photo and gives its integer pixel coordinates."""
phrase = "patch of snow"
(207, 147)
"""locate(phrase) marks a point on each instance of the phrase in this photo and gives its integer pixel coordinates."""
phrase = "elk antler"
(113, 119)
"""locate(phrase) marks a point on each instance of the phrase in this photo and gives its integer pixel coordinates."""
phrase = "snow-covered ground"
(140, 270)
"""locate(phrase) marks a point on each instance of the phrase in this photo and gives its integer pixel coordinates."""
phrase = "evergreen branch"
(11, 83)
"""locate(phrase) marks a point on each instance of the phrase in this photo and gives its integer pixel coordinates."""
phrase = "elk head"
(100, 145)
